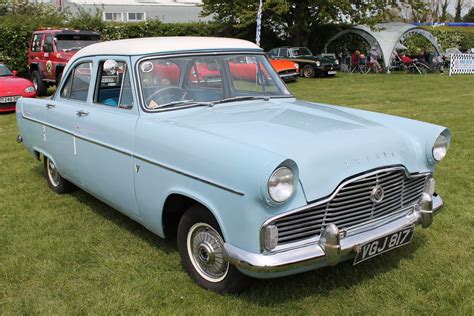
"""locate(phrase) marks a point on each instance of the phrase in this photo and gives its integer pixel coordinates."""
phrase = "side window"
(48, 43)
(113, 86)
(77, 85)
(273, 52)
(36, 43)
(284, 52)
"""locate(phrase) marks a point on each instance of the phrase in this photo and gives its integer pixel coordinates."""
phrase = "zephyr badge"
(377, 194)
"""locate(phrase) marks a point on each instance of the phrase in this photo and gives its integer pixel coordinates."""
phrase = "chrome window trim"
(189, 54)
(305, 241)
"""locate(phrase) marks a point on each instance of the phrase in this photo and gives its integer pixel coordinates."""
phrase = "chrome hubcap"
(53, 173)
(206, 251)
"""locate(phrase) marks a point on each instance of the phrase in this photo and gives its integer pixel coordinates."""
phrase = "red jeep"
(49, 52)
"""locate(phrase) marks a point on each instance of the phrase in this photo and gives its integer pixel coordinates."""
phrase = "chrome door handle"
(81, 113)
(50, 106)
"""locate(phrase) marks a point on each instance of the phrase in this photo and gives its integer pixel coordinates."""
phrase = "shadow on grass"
(322, 282)
(120, 220)
(269, 292)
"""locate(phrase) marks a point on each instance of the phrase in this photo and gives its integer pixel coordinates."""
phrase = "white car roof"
(150, 45)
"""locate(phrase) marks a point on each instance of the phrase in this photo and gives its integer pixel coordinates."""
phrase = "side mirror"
(14, 73)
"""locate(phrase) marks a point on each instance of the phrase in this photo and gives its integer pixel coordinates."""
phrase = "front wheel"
(201, 248)
(308, 71)
(40, 86)
(55, 181)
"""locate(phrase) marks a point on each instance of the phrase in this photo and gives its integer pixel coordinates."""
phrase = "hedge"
(16, 31)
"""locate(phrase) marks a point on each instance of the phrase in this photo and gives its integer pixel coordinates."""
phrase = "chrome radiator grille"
(352, 205)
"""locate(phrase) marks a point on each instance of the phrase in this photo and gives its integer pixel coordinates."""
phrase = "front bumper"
(334, 245)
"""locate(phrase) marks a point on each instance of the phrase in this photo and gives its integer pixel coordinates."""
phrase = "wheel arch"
(34, 66)
(176, 204)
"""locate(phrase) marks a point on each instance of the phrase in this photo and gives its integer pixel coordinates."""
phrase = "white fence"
(461, 64)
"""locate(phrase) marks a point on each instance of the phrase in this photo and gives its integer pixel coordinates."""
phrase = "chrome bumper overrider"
(334, 245)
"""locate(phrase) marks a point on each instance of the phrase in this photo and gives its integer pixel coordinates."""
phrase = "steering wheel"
(166, 95)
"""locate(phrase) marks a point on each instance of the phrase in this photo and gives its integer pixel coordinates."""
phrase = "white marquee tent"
(387, 37)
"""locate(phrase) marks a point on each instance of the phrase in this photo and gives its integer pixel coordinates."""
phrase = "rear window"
(71, 42)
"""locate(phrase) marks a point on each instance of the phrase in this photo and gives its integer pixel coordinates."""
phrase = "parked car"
(310, 65)
(50, 50)
(12, 88)
(251, 181)
(288, 70)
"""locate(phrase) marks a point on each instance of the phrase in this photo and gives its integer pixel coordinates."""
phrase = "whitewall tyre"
(201, 247)
(55, 181)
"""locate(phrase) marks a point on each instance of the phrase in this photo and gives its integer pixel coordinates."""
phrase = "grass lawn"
(73, 254)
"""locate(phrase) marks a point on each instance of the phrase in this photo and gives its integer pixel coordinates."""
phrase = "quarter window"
(77, 84)
(113, 86)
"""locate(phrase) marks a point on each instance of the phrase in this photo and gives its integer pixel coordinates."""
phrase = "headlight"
(281, 184)
(318, 63)
(336, 62)
(440, 147)
(30, 89)
(297, 66)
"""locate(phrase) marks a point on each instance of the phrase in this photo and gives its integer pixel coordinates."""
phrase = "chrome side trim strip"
(127, 153)
(220, 186)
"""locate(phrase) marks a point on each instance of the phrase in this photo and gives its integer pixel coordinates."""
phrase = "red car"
(12, 88)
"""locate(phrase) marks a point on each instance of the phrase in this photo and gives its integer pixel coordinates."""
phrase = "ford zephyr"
(183, 137)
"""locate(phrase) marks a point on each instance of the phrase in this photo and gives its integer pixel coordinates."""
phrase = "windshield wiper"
(243, 98)
(184, 102)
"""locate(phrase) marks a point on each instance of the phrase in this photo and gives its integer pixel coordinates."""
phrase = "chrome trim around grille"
(350, 205)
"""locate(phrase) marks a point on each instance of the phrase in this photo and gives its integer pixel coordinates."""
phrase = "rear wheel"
(201, 248)
(308, 71)
(38, 83)
(55, 181)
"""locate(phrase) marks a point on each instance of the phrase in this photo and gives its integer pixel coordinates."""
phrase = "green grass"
(72, 254)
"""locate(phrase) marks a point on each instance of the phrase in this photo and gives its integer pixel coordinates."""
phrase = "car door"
(105, 136)
(36, 49)
(58, 119)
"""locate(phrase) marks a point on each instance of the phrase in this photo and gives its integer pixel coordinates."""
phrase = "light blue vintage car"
(199, 139)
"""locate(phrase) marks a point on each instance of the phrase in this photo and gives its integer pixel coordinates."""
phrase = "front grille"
(352, 205)
(287, 71)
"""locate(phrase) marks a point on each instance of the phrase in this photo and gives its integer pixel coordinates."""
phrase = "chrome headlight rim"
(273, 198)
(440, 147)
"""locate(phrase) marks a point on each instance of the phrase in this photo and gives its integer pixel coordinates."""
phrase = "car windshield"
(75, 42)
(4, 71)
(301, 51)
(208, 80)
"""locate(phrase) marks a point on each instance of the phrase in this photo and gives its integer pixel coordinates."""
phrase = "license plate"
(9, 99)
(332, 72)
(384, 244)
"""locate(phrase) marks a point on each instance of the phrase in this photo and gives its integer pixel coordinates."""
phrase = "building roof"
(150, 45)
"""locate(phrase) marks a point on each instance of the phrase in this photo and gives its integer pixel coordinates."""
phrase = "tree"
(469, 17)
(294, 20)
(459, 6)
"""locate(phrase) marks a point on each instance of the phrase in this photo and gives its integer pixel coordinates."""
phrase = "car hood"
(328, 144)
(13, 85)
